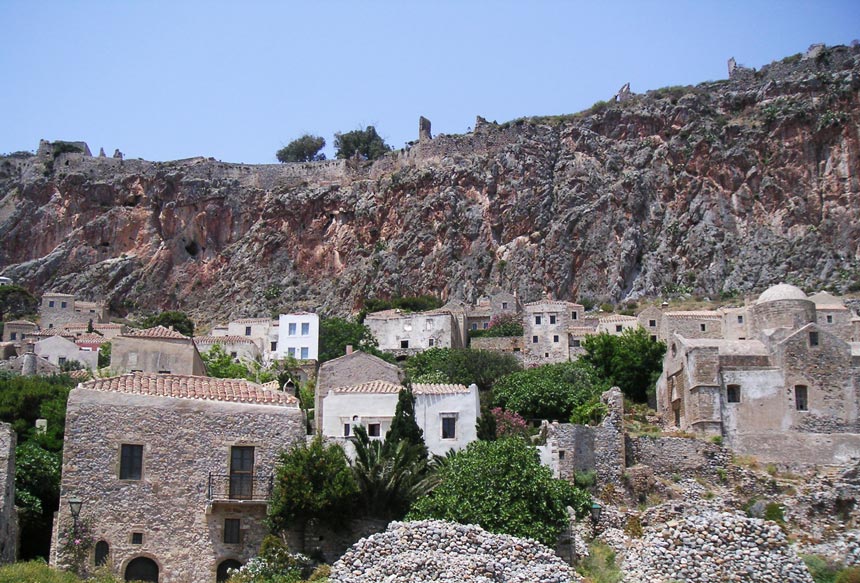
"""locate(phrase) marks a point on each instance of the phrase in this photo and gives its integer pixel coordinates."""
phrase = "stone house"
(788, 393)
(59, 350)
(447, 414)
(263, 332)
(299, 336)
(158, 350)
(57, 310)
(353, 368)
(616, 324)
(487, 307)
(91, 342)
(174, 472)
(651, 319)
(17, 331)
(239, 347)
(8, 514)
(406, 333)
(546, 326)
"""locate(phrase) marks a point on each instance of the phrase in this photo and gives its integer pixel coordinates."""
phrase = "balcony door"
(242, 472)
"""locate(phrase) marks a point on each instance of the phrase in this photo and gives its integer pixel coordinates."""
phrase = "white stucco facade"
(58, 350)
(298, 336)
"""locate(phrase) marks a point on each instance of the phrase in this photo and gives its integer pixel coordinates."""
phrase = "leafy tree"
(632, 361)
(304, 149)
(550, 392)
(312, 481)
(460, 365)
(179, 320)
(25, 399)
(404, 427)
(16, 302)
(104, 355)
(337, 333)
(220, 364)
(389, 475)
(366, 142)
(37, 493)
(486, 425)
(502, 486)
(71, 365)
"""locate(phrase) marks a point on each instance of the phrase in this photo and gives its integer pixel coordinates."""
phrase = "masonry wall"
(506, 344)
(8, 515)
(184, 440)
(691, 326)
(667, 456)
(417, 330)
(545, 331)
(155, 355)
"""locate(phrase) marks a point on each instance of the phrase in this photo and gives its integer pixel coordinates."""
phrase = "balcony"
(238, 489)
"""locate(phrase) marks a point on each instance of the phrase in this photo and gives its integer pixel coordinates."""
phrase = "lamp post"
(75, 505)
(596, 509)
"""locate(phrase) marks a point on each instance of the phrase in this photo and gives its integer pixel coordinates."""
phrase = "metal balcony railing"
(239, 487)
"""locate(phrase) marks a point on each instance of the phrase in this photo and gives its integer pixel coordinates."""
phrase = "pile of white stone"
(433, 550)
(714, 546)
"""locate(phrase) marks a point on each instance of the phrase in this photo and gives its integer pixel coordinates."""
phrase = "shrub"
(633, 527)
(632, 361)
(505, 324)
(509, 424)
(717, 439)
(585, 478)
(35, 571)
(774, 512)
(461, 365)
(821, 570)
(849, 575)
(599, 566)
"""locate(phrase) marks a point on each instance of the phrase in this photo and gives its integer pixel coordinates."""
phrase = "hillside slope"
(722, 188)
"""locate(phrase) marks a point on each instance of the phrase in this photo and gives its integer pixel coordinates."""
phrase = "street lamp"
(75, 505)
(596, 509)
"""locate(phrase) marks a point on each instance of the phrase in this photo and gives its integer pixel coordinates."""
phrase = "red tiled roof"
(157, 332)
(96, 326)
(48, 332)
(90, 339)
(191, 387)
(694, 314)
(252, 321)
(438, 389)
(370, 387)
(223, 340)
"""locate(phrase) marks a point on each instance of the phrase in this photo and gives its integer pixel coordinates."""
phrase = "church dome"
(782, 291)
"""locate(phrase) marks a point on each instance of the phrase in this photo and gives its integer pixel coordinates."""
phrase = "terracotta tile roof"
(582, 330)
(157, 332)
(617, 318)
(48, 332)
(191, 387)
(438, 389)
(79, 374)
(370, 387)
(223, 340)
(90, 339)
(252, 321)
(553, 303)
(272, 386)
(96, 326)
(694, 314)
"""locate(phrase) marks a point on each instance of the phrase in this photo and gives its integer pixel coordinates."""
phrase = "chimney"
(349, 348)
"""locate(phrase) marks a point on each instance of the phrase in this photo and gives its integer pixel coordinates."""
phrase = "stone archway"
(142, 569)
(224, 567)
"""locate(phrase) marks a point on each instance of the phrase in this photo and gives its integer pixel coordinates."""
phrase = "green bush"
(849, 575)
(552, 391)
(585, 479)
(599, 566)
(774, 512)
(39, 572)
(822, 570)
(460, 365)
(631, 361)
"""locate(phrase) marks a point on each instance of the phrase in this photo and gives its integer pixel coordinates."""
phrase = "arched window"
(142, 569)
(224, 568)
(102, 552)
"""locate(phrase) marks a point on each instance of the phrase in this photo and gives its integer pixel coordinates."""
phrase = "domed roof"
(781, 291)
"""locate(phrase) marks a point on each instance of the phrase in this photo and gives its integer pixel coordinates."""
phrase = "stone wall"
(158, 355)
(184, 442)
(609, 446)
(8, 515)
(677, 455)
(507, 344)
(321, 542)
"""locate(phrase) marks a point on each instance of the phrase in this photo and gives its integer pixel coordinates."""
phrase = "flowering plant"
(75, 544)
(509, 424)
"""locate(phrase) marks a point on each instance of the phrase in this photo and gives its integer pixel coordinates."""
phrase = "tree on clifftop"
(366, 142)
(304, 149)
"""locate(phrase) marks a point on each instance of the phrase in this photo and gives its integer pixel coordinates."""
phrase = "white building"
(447, 414)
(58, 350)
(261, 331)
(406, 333)
(299, 336)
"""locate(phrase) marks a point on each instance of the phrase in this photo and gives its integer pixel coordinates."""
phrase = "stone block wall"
(8, 515)
(677, 455)
(328, 544)
(506, 344)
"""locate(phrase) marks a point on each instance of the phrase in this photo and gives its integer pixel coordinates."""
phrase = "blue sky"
(238, 80)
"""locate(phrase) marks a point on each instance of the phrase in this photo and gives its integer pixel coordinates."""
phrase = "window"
(305, 351)
(63, 304)
(130, 461)
(163, 372)
(813, 338)
(242, 472)
(102, 552)
(560, 454)
(577, 343)
(504, 305)
(740, 319)
(373, 430)
(234, 354)
(347, 428)
(306, 328)
(431, 342)
(61, 359)
(474, 326)
(429, 323)
(537, 320)
(291, 351)
(13, 336)
(51, 304)
(404, 344)
(486, 325)
(232, 531)
(801, 398)
(552, 318)
(652, 323)
(50, 325)
(449, 427)
(653, 338)
(137, 538)
(291, 329)
(703, 327)
(574, 316)
(274, 346)
(733, 393)
(555, 338)
(829, 319)
(534, 339)
(247, 330)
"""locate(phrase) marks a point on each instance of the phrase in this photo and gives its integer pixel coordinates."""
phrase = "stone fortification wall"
(8, 515)
(184, 440)
(677, 455)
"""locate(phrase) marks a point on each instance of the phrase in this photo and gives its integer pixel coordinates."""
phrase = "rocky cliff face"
(723, 188)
